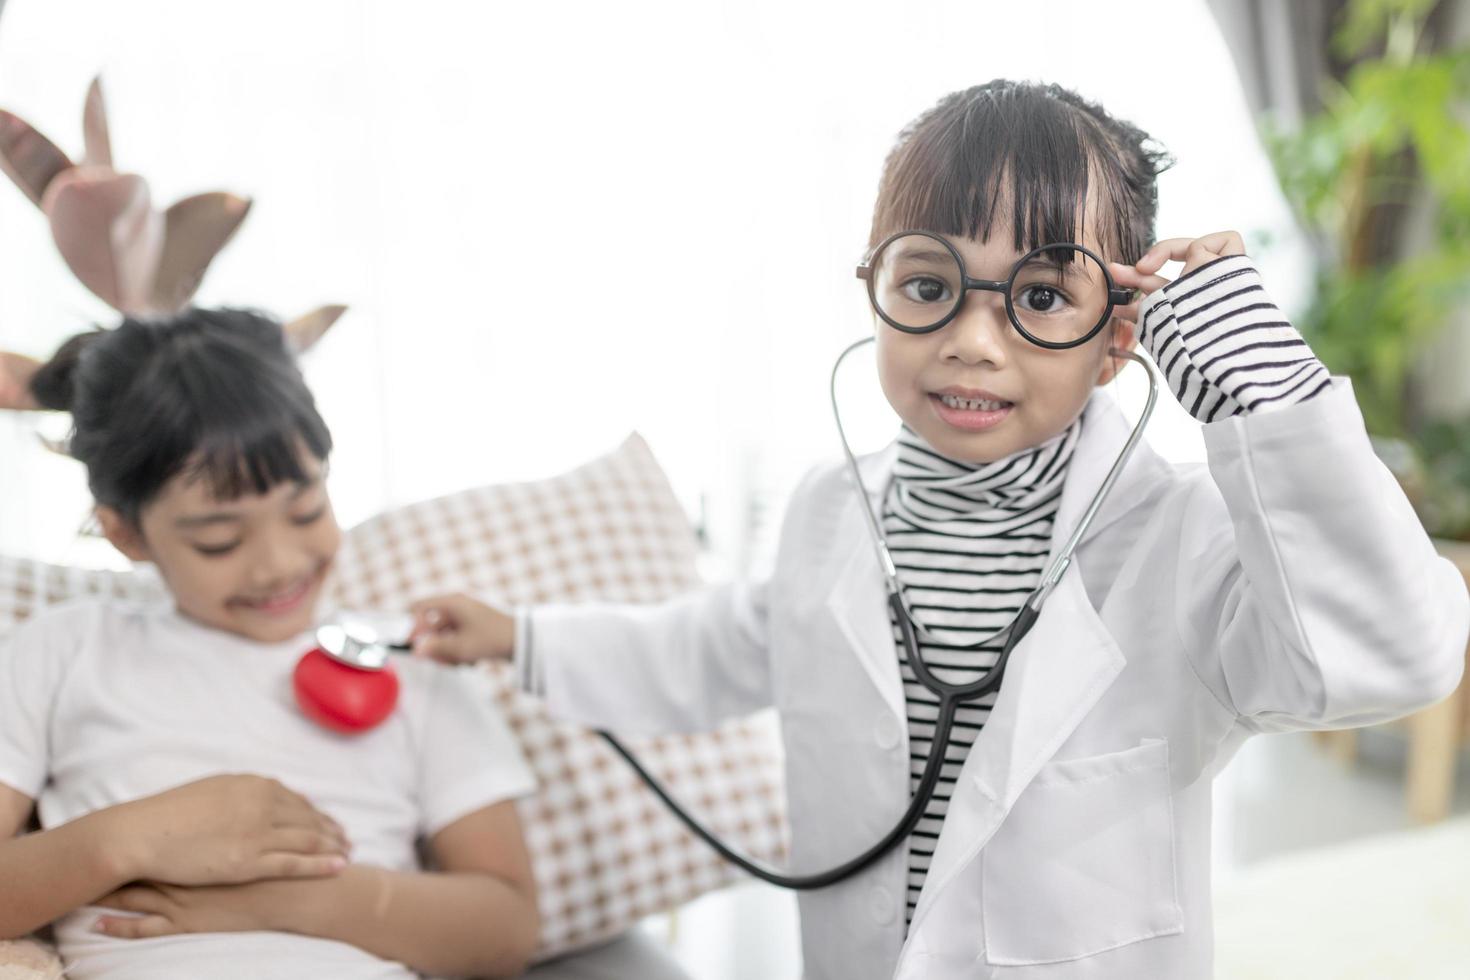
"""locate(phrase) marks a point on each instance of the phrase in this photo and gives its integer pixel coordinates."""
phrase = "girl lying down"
(193, 821)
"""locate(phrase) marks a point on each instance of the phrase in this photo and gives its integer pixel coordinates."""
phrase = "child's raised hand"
(226, 830)
(457, 629)
(1144, 276)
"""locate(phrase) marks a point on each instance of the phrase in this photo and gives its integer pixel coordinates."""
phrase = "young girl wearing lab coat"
(1286, 584)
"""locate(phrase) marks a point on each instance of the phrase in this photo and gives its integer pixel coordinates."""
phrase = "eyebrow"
(207, 520)
(303, 488)
(226, 517)
(930, 254)
(1071, 270)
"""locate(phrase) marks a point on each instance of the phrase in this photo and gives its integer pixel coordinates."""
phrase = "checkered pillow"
(605, 851)
(27, 587)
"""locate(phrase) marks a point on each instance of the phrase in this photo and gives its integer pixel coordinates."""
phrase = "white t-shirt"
(102, 702)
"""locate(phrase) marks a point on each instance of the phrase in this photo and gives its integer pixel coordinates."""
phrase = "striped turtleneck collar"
(929, 485)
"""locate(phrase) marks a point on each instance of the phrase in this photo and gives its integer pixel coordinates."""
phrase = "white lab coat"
(1286, 585)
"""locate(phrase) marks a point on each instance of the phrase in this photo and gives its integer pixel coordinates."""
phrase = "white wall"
(557, 223)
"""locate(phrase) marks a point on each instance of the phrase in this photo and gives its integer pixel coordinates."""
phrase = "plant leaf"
(28, 158)
(195, 230)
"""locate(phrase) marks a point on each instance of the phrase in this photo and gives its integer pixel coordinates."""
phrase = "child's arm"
(1223, 347)
(684, 665)
(221, 829)
(1306, 591)
(477, 917)
(687, 664)
(47, 875)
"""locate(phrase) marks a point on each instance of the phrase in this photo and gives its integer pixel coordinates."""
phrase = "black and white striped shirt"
(970, 541)
(1224, 347)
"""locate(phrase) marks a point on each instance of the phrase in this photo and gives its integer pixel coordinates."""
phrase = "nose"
(980, 333)
(275, 563)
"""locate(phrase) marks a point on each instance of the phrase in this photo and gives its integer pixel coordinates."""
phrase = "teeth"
(972, 404)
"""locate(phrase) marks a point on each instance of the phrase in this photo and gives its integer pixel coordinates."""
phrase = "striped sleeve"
(1224, 348)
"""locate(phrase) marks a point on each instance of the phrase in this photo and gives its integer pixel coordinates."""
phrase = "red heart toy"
(343, 698)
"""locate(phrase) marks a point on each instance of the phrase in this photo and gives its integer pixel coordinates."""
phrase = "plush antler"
(95, 134)
(195, 230)
(16, 371)
(136, 259)
(27, 157)
(303, 332)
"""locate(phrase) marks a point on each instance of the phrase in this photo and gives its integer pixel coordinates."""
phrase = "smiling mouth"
(974, 404)
(285, 600)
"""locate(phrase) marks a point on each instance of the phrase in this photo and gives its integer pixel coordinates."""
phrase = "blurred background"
(554, 224)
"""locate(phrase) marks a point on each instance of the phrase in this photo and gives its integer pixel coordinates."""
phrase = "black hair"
(212, 392)
(1033, 147)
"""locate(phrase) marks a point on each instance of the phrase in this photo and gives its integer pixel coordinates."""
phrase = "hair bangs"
(1033, 162)
(253, 436)
(208, 394)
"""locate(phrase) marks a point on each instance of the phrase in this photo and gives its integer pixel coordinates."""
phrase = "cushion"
(605, 852)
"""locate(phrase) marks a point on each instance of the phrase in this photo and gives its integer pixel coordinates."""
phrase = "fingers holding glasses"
(1144, 276)
(1129, 277)
(1193, 252)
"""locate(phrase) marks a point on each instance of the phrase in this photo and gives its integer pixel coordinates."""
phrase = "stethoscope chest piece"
(346, 683)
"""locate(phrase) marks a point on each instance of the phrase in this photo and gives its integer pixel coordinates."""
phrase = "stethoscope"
(359, 650)
(347, 683)
(950, 696)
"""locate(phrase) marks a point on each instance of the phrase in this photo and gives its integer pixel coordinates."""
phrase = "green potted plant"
(1391, 137)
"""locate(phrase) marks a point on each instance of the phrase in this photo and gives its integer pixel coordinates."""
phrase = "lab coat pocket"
(1084, 861)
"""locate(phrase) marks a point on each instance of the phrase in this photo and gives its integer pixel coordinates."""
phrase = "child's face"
(979, 354)
(254, 566)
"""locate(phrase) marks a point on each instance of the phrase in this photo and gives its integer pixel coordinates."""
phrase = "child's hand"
(456, 629)
(167, 910)
(1193, 252)
(271, 905)
(226, 830)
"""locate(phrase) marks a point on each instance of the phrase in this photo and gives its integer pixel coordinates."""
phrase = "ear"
(125, 537)
(1120, 336)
